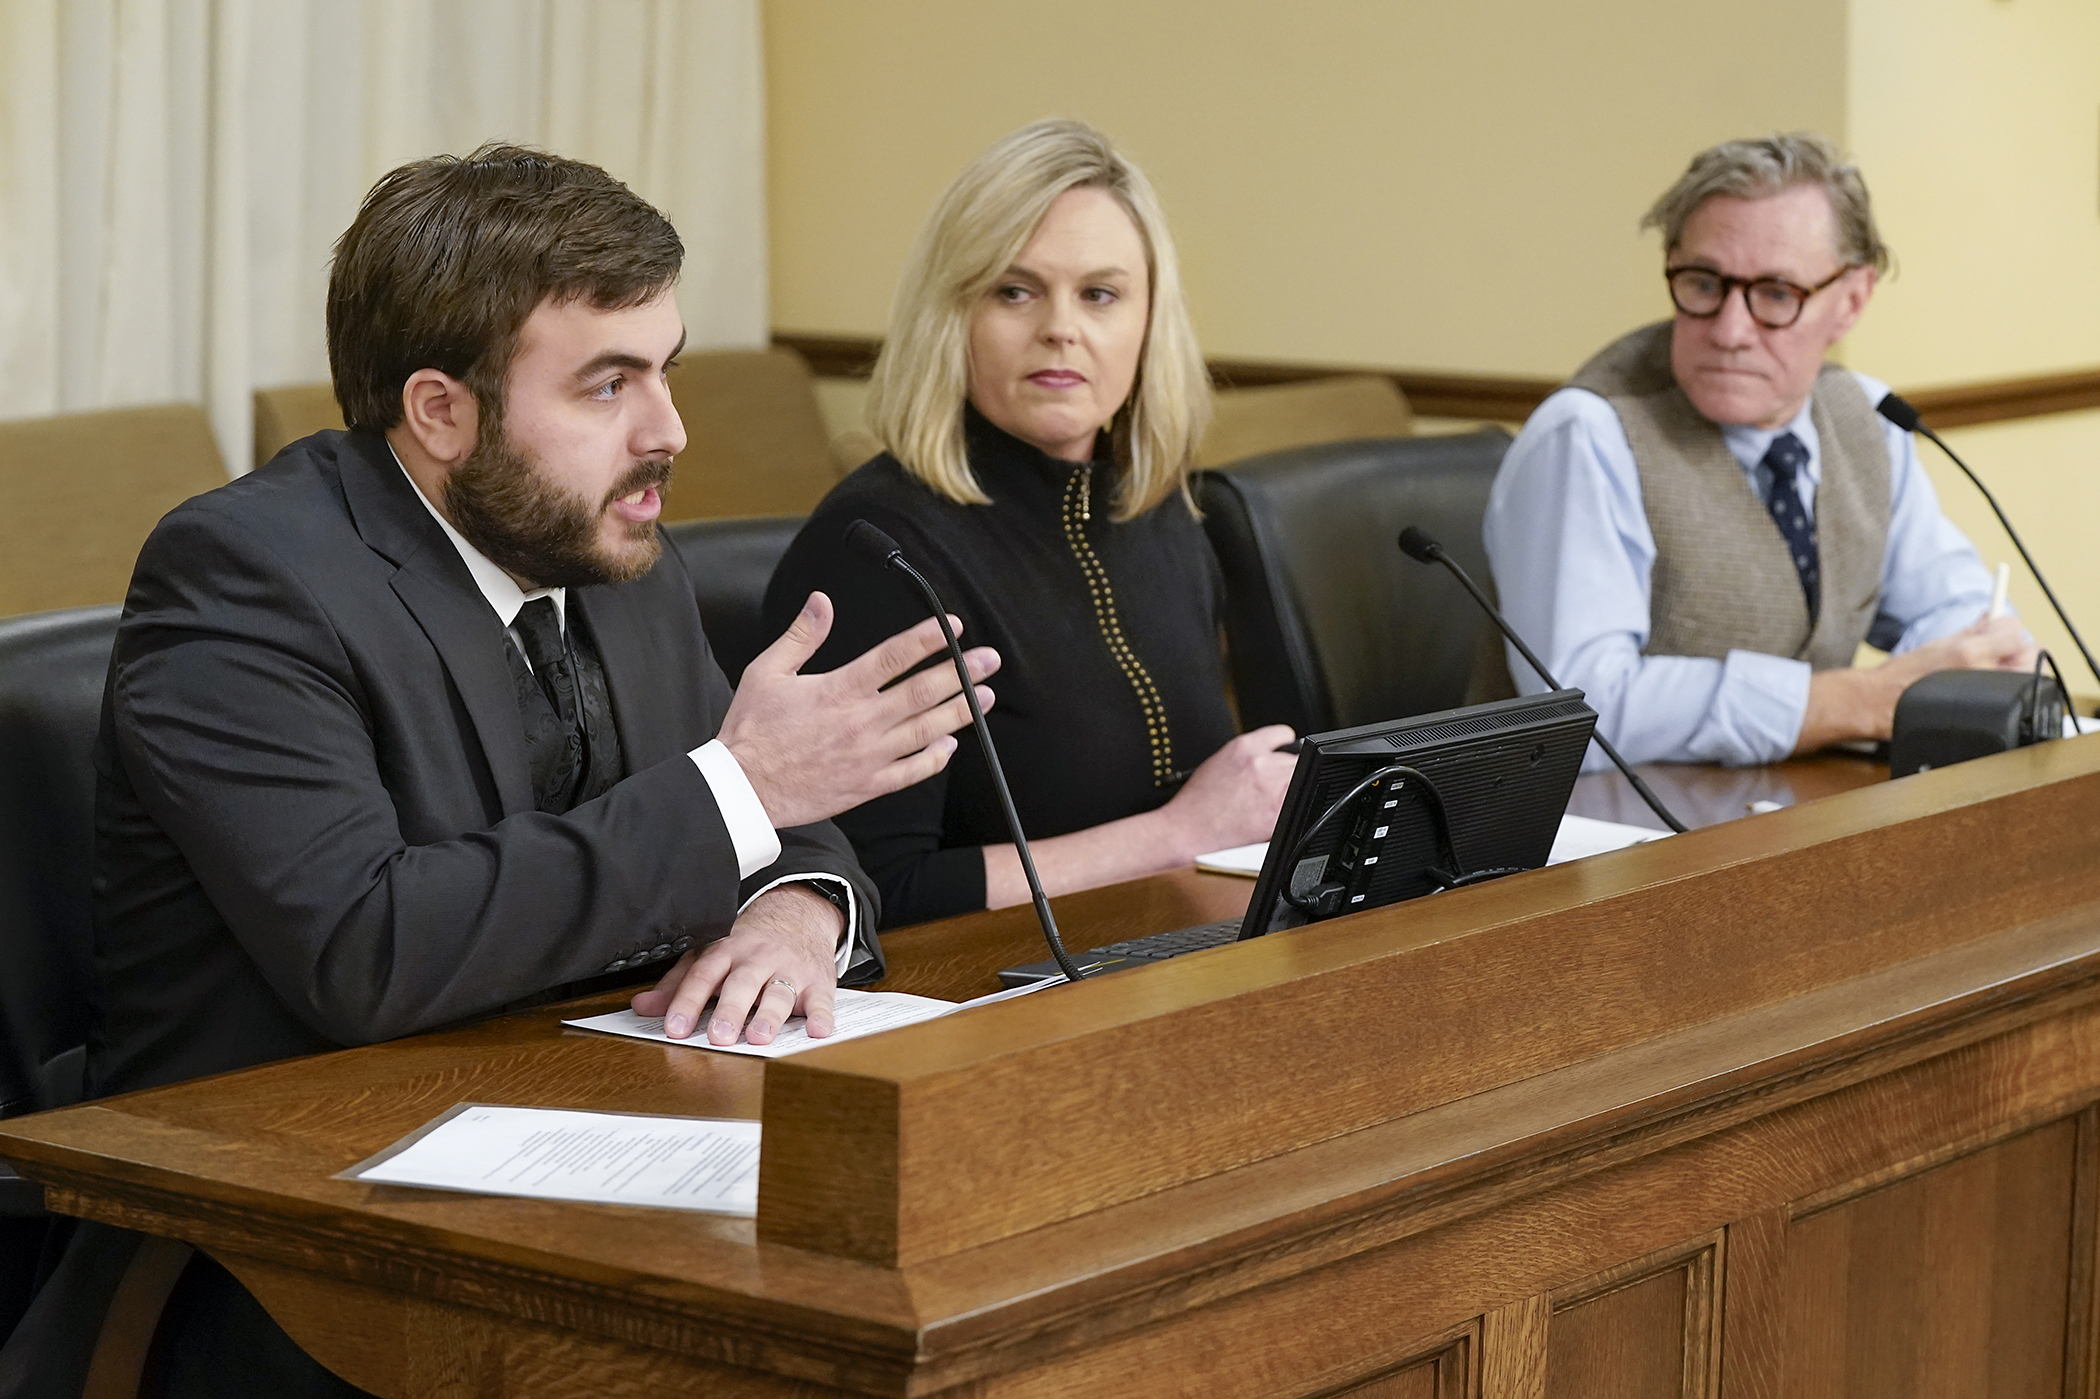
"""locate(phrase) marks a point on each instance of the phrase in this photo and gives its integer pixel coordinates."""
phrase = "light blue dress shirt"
(1572, 552)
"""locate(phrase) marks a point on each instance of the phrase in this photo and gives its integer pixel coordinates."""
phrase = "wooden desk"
(1707, 796)
(1798, 1105)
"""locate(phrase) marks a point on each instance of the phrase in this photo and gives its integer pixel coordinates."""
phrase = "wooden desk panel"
(1650, 1175)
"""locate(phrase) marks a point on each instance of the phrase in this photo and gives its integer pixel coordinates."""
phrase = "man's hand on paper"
(789, 934)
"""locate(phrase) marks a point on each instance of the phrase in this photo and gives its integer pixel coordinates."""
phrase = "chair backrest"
(52, 667)
(1276, 417)
(285, 414)
(755, 439)
(731, 562)
(80, 493)
(1328, 624)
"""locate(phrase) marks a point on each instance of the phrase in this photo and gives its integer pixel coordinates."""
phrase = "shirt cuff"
(849, 949)
(1761, 704)
(750, 829)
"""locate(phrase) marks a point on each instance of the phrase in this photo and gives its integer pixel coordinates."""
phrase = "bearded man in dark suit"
(417, 722)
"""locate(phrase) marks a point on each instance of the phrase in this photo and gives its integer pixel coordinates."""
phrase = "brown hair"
(448, 257)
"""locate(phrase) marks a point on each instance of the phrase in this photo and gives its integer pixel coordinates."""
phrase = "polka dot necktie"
(1784, 459)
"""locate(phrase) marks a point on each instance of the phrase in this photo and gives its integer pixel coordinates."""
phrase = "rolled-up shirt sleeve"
(1573, 555)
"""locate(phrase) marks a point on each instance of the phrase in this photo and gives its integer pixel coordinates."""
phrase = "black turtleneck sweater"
(1111, 688)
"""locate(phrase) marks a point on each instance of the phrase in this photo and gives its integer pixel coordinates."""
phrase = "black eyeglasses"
(1773, 302)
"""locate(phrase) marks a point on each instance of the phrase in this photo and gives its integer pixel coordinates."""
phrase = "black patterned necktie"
(572, 745)
(1784, 459)
(554, 740)
(539, 631)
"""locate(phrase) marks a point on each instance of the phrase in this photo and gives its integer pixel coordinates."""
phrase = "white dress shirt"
(751, 832)
(1572, 553)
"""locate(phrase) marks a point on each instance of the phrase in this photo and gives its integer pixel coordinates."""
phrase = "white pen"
(1998, 591)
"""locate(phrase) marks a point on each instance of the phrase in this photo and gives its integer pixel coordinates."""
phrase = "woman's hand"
(1233, 798)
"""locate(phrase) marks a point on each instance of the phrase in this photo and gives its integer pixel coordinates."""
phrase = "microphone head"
(871, 544)
(1417, 545)
(1898, 412)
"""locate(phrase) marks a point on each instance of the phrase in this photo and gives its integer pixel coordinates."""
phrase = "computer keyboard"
(1134, 952)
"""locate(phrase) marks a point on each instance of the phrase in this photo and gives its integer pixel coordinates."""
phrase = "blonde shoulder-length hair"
(980, 225)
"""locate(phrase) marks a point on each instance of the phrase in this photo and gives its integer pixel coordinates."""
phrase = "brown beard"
(501, 501)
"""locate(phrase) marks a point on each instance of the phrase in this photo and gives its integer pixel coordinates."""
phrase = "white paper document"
(854, 1013)
(684, 1163)
(1585, 835)
(1578, 836)
(1241, 859)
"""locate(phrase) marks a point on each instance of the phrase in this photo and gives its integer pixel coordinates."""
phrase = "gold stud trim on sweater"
(1078, 511)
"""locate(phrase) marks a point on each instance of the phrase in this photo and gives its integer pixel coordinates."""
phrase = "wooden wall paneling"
(1513, 1342)
(1949, 1281)
(1326, 1315)
(1447, 1371)
(1511, 398)
(1834, 1015)
(1753, 1307)
(1401, 1009)
(2082, 1330)
(1317, 1285)
(1627, 1343)
(2001, 400)
(406, 1347)
(1644, 1329)
(1433, 1260)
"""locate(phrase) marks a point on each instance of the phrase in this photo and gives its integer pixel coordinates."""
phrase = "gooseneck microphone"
(881, 550)
(1417, 545)
(1903, 415)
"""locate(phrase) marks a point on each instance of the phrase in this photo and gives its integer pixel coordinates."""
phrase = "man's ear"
(1853, 293)
(442, 414)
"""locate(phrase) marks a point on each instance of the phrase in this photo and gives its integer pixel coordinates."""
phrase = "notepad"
(854, 1013)
(1581, 836)
(1578, 836)
(682, 1163)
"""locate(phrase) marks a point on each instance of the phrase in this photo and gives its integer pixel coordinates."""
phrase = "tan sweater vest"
(1723, 580)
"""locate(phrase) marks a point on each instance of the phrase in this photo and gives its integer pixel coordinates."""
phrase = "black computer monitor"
(1397, 810)
(1394, 811)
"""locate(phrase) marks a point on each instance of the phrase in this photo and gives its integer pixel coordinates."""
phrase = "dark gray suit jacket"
(315, 822)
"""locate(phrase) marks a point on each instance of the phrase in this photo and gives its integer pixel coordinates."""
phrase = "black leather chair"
(52, 665)
(731, 561)
(1327, 623)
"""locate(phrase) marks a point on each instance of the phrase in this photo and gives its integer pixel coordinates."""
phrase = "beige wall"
(1455, 186)
(1978, 124)
(1450, 186)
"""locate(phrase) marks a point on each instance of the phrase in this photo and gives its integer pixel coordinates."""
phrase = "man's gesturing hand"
(779, 960)
(814, 745)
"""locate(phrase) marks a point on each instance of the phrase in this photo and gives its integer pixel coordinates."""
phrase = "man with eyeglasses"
(1701, 528)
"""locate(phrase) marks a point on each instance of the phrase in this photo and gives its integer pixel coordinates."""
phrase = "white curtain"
(174, 173)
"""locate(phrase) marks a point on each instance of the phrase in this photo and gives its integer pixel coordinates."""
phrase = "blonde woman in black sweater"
(1041, 397)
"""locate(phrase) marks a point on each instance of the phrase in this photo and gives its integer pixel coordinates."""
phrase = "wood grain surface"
(1797, 1104)
(1391, 1012)
(1511, 398)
